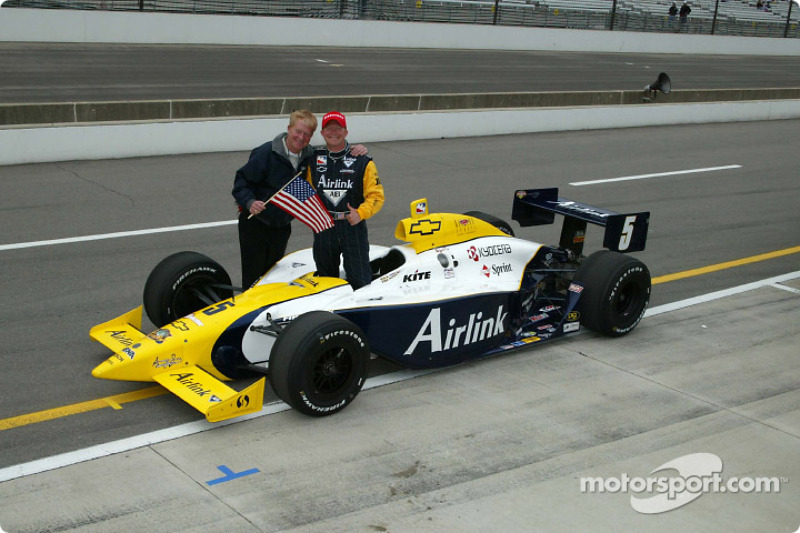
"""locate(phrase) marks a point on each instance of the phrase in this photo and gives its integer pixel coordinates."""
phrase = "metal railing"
(731, 17)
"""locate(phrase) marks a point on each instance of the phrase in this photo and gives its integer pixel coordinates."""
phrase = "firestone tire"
(319, 363)
(616, 292)
(172, 289)
(498, 223)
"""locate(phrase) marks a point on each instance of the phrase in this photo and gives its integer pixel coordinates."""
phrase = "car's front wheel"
(616, 292)
(183, 283)
(319, 363)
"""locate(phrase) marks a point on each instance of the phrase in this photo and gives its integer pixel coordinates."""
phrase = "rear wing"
(624, 232)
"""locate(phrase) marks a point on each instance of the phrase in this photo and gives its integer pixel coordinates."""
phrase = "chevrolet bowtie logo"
(425, 226)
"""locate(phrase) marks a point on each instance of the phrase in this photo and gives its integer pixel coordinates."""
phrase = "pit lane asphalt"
(65, 72)
(506, 436)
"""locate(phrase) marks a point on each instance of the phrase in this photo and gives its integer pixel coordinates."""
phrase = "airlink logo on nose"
(476, 329)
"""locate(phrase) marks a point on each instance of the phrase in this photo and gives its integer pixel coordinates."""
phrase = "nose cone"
(124, 366)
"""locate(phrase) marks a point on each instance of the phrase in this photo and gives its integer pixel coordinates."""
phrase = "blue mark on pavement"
(230, 475)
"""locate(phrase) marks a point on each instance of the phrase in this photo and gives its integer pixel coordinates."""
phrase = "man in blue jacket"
(263, 237)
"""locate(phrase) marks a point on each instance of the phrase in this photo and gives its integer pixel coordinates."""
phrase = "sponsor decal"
(485, 271)
(335, 195)
(416, 276)
(501, 268)
(185, 275)
(318, 408)
(298, 265)
(194, 319)
(389, 276)
(169, 362)
(569, 327)
(577, 289)
(160, 335)
(476, 329)
(576, 207)
(309, 280)
(352, 334)
(580, 236)
(334, 183)
(130, 353)
(186, 379)
(548, 308)
(348, 161)
(180, 325)
(572, 316)
(465, 225)
(449, 273)
(425, 226)
(537, 318)
(120, 337)
(475, 253)
(421, 208)
(322, 159)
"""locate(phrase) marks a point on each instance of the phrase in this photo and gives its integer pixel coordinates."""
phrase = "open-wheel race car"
(459, 287)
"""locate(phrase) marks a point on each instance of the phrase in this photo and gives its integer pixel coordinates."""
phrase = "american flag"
(300, 200)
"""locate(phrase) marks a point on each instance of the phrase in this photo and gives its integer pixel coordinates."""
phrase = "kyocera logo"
(475, 329)
(476, 253)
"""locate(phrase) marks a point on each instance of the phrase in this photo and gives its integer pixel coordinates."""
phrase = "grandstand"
(732, 17)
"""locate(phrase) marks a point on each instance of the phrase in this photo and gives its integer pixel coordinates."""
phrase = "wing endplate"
(210, 396)
(119, 332)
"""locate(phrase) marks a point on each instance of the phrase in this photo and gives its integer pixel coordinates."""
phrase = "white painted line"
(674, 306)
(656, 175)
(191, 428)
(786, 288)
(117, 235)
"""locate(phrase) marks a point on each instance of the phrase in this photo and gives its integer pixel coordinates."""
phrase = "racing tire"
(616, 292)
(183, 283)
(319, 363)
(498, 223)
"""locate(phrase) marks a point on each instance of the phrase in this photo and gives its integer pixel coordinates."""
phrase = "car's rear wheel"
(616, 292)
(183, 283)
(498, 223)
(319, 363)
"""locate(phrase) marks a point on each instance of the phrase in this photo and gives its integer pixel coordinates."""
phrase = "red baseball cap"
(336, 117)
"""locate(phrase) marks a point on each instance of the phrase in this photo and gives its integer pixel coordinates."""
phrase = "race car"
(458, 287)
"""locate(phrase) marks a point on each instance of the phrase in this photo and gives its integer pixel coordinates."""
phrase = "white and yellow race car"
(459, 287)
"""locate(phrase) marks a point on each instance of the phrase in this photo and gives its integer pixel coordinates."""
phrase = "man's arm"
(373, 193)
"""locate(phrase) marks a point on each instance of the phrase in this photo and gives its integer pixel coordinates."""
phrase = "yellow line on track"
(723, 266)
(116, 401)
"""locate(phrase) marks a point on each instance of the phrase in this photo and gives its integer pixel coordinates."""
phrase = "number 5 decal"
(627, 233)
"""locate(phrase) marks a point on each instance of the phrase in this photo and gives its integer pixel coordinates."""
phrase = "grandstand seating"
(734, 17)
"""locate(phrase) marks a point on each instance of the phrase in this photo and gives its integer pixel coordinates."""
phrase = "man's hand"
(257, 207)
(358, 149)
(352, 217)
